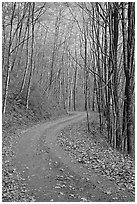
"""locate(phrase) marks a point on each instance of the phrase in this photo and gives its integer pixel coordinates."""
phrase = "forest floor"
(59, 161)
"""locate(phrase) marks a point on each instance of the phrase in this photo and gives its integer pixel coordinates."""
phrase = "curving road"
(51, 175)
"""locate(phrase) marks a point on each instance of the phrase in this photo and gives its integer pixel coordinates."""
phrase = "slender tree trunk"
(31, 57)
(86, 78)
(74, 86)
(93, 100)
(115, 92)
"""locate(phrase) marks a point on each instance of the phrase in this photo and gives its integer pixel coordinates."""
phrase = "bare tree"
(8, 63)
(31, 56)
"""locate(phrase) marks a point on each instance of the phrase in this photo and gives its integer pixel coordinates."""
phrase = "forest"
(72, 56)
(65, 58)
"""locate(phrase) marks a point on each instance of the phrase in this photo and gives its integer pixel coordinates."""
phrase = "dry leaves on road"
(14, 188)
(92, 151)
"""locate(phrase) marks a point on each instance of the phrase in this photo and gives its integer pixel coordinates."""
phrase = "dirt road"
(51, 175)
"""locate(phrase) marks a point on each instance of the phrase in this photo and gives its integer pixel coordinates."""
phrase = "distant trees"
(77, 56)
(18, 31)
(7, 64)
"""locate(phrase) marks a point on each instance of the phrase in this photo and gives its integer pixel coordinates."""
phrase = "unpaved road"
(51, 175)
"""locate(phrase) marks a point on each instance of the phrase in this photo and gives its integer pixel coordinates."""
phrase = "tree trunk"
(31, 57)
(86, 79)
(115, 92)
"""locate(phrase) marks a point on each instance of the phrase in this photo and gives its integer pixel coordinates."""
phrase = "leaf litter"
(81, 146)
(14, 188)
(92, 150)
